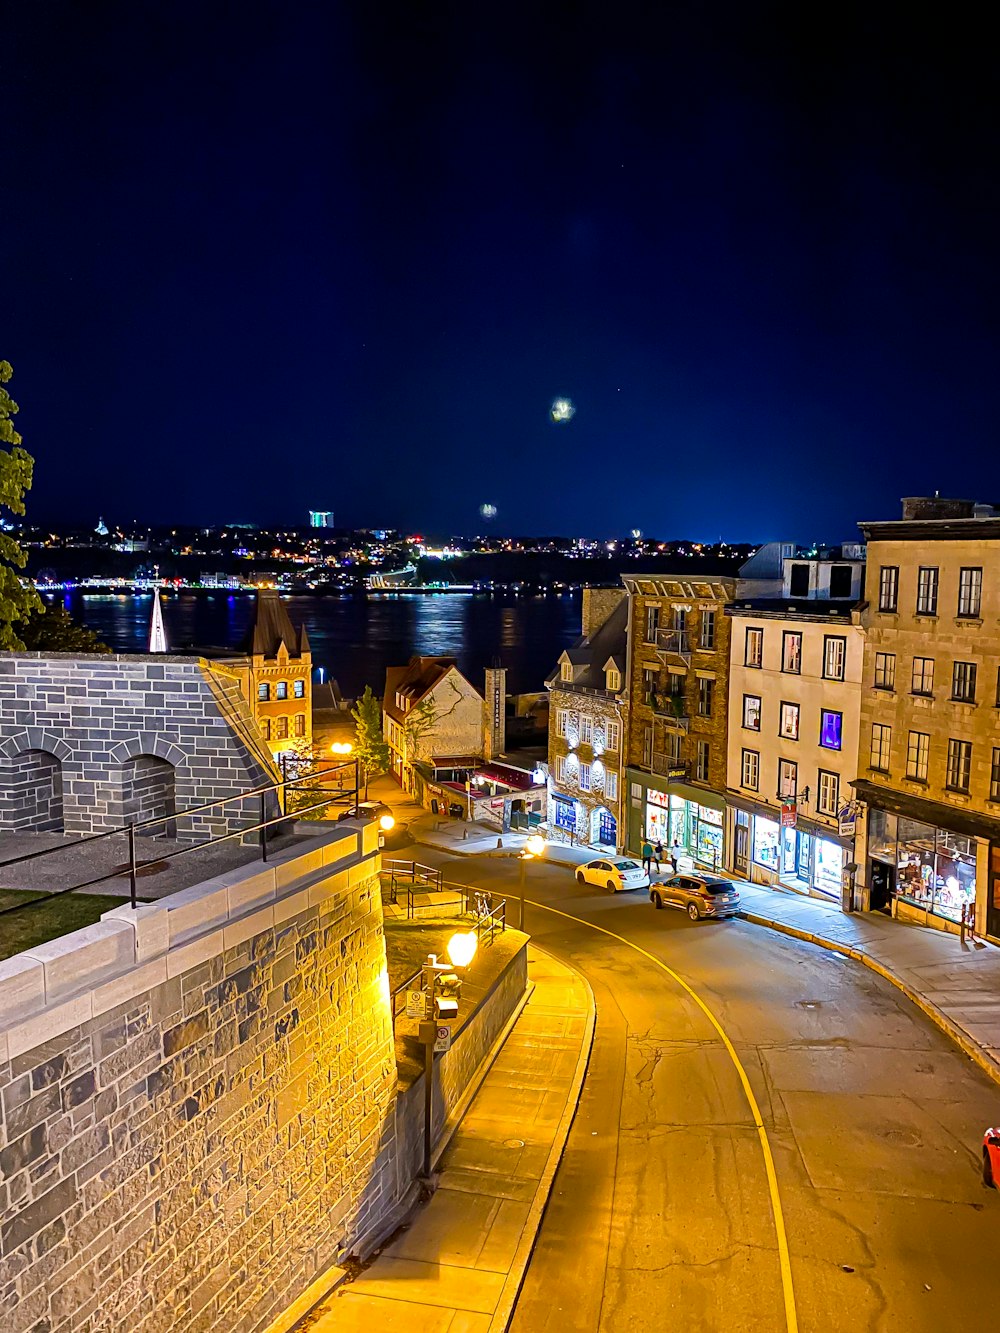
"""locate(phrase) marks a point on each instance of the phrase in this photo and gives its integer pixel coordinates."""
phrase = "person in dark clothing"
(658, 854)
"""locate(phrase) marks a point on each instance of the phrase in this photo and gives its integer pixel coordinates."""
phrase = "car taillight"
(621, 875)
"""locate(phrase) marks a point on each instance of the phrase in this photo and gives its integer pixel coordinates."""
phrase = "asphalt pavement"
(722, 1049)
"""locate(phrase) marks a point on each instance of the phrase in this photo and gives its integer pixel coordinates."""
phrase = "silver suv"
(698, 895)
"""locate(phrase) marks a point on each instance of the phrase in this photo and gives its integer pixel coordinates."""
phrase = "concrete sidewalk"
(458, 1265)
(957, 985)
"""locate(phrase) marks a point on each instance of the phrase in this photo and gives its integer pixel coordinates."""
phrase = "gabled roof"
(413, 681)
(270, 627)
(591, 656)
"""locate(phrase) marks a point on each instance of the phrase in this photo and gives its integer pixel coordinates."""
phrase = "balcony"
(672, 708)
(674, 645)
(668, 767)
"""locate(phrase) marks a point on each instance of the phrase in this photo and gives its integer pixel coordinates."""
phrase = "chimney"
(922, 506)
(598, 604)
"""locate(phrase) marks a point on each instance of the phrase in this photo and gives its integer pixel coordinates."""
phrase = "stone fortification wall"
(79, 737)
(197, 1101)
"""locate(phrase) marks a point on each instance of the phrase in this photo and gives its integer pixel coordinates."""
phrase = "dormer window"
(567, 671)
(613, 679)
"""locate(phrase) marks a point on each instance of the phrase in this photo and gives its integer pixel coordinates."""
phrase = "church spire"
(157, 634)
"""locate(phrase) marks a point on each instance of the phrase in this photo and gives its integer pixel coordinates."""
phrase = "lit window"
(834, 656)
(830, 729)
(300, 724)
(281, 689)
(754, 653)
(922, 681)
(788, 780)
(263, 692)
(751, 712)
(791, 652)
(750, 775)
(299, 689)
(611, 786)
(612, 736)
(586, 730)
(567, 671)
(614, 680)
(789, 725)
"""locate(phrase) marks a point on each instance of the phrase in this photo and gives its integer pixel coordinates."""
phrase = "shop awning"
(968, 822)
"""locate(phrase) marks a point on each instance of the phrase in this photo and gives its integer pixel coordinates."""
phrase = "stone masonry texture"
(196, 1158)
(91, 743)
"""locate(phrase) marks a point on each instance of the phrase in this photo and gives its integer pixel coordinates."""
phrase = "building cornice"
(932, 530)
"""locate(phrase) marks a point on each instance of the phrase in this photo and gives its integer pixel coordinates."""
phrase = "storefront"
(690, 825)
(920, 864)
(808, 857)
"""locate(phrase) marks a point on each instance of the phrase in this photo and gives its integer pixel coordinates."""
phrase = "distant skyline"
(273, 258)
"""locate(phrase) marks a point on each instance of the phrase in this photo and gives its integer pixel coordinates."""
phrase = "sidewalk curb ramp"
(965, 1043)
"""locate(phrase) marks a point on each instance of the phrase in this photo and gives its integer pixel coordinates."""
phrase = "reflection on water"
(356, 638)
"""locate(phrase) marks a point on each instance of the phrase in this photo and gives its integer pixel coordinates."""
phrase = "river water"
(354, 638)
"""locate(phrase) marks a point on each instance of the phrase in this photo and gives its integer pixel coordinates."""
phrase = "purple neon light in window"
(830, 729)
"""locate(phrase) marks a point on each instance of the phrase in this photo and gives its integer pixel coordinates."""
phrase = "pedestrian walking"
(658, 854)
(673, 856)
(647, 855)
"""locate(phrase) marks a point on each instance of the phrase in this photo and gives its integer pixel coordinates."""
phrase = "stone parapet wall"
(76, 732)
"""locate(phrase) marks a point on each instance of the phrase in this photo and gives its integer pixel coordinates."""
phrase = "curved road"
(661, 1216)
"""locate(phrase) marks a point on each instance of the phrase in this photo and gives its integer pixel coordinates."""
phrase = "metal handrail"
(130, 830)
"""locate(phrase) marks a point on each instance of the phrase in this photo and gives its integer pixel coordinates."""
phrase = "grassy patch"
(48, 920)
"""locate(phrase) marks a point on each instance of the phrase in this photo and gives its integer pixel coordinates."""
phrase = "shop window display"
(829, 867)
(766, 836)
(935, 869)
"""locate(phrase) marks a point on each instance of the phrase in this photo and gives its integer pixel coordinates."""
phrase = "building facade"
(676, 751)
(930, 762)
(588, 723)
(794, 717)
(431, 713)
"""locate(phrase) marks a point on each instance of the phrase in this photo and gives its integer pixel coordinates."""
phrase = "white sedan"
(613, 873)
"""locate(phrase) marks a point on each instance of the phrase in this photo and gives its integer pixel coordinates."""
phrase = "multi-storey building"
(431, 715)
(678, 654)
(795, 671)
(930, 761)
(588, 706)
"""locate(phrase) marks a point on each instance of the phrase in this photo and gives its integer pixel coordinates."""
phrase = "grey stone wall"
(194, 1157)
(78, 736)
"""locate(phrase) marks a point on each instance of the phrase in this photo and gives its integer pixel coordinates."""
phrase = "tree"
(53, 630)
(17, 600)
(369, 744)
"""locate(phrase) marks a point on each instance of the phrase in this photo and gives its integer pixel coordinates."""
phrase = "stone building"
(678, 637)
(430, 713)
(274, 669)
(90, 743)
(929, 769)
(588, 723)
(795, 668)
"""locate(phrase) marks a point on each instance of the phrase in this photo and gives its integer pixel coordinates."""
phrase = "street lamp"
(386, 823)
(461, 951)
(532, 848)
(341, 747)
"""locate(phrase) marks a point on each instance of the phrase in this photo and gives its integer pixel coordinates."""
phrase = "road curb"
(958, 1035)
(495, 852)
(529, 1235)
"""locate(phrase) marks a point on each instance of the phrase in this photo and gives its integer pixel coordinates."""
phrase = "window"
(927, 590)
(828, 800)
(612, 736)
(300, 724)
(560, 768)
(995, 777)
(830, 728)
(586, 730)
(922, 681)
(788, 726)
(834, 656)
(680, 619)
(798, 581)
(963, 682)
(281, 689)
(970, 592)
(888, 588)
(918, 748)
(281, 728)
(614, 680)
(791, 652)
(647, 746)
(652, 623)
(611, 786)
(675, 749)
(959, 765)
(264, 692)
(751, 712)
(701, 761)
(706, 694)
(585, 777)
(788, 780)
(566, 672)
(754, 653)
(650, 676)
(266, 726)
(750, 775)
(299, 689)
(885, 671)
(706, 637)
(881, 740)
(841, 581)
(562, 723)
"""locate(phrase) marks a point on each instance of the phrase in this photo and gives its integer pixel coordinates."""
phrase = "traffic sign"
(442, 1041)
(416, 1004)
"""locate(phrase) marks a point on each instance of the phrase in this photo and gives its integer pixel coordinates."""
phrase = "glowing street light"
(386, 823)
(341, 747)
(462, 948)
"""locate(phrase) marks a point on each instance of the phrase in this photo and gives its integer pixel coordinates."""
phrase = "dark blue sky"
(260, 258)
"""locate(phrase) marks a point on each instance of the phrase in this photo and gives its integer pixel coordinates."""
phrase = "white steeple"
(157, 634)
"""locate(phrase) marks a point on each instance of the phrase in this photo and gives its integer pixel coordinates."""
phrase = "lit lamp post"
(441, 991)
(532, 848)
(385, 823)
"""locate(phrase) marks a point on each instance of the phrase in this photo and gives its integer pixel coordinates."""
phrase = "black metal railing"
(257, 796)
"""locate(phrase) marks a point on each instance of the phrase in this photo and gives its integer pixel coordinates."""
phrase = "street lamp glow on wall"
(462, 948)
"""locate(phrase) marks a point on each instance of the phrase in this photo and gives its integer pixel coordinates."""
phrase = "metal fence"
(273, 794)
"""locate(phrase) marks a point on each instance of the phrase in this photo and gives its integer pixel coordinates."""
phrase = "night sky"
(260, 258)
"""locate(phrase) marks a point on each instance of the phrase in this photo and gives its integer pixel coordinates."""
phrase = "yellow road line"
(791, 1320)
